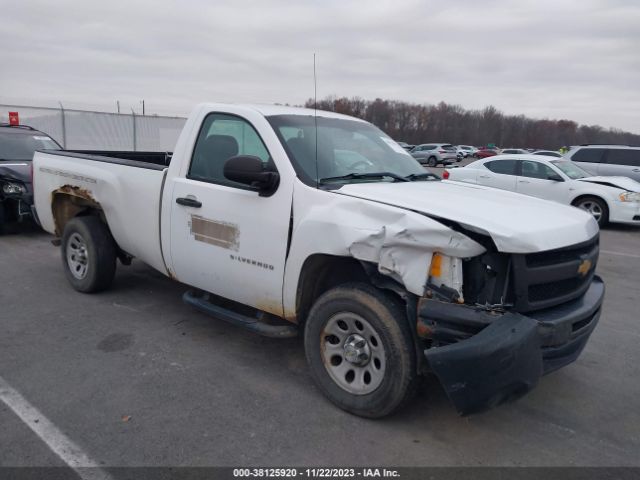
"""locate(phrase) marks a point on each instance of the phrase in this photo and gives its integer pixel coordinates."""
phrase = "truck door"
(225, 238)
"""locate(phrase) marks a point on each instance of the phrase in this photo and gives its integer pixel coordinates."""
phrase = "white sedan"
(608, 199)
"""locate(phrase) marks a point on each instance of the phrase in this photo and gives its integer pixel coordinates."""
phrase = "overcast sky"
(555, 59)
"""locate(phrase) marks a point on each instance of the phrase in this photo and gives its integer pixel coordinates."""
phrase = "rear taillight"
(442, 151)
(445, 175)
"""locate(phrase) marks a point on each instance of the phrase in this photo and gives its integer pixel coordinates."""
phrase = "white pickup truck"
(285, 220)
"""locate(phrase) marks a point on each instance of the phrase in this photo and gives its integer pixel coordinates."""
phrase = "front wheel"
(596, 207)
(88, 254)
(360, 350)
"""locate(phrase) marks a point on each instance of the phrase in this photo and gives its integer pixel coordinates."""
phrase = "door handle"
(637, 170)
(524, 181)
(188, 202)
(484, 176)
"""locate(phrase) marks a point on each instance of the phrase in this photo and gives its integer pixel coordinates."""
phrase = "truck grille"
(546, 279)
(560, 288)
(562, 255)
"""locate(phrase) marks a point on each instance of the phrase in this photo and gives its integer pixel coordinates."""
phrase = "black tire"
(396, 381)
(99, 254)
(593, 205)
(432, 162)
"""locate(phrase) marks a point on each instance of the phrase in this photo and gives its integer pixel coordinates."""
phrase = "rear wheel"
(432, 162)
(360, 350)
(596, 207)
(88, 254)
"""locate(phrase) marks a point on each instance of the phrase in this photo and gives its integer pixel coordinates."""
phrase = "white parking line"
(57, 441)
(630, 255)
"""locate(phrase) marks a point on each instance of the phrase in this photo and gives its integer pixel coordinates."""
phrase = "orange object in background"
(14, 118)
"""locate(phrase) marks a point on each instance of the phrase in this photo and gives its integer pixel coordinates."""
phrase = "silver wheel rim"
(593, 208)
(77, 256)
(353, 354)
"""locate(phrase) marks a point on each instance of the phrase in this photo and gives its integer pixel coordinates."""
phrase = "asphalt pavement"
(133, 377)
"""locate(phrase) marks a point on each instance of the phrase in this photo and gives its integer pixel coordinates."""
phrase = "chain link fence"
(87, 130)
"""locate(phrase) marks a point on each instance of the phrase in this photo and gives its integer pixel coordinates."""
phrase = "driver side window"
(537, 170)
(221, 137)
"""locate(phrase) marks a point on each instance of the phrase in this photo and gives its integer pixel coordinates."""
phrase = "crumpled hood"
(15, 171)
(516, 223)
(624, 183)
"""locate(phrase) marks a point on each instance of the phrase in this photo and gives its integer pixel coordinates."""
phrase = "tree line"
(421, 123)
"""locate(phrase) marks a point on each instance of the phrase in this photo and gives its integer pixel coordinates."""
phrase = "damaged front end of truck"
(516, 318)
(493, 305)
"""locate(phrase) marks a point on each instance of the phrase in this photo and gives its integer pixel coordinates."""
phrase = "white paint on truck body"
(252, 272)
(517, 224)
(401, 242)
(239, 247)
(129, 197)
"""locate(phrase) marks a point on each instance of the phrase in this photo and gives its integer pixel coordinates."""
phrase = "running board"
(201, 303)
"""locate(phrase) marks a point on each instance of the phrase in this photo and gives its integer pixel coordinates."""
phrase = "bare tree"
(422, 123)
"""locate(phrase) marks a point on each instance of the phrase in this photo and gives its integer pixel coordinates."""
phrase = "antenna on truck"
(315, 115)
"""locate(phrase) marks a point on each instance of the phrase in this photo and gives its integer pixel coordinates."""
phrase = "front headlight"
(13, 188)
(629, 197)
(447, 271)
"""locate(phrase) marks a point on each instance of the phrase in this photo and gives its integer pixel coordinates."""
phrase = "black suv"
(17, 146)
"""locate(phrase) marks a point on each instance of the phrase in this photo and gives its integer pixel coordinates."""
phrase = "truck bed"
(156, 160)
(126, 185)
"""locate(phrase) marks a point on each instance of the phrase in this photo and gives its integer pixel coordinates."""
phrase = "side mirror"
(250, 170)
(555, 177)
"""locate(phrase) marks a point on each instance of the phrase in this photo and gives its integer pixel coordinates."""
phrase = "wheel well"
(581, 197)
(322, 272)
(69, 202)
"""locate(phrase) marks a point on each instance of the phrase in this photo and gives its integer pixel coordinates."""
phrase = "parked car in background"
(484, 152)
(467, 150)
(614, 199)
(548, 153)
(608, 159)
(17, 146)
(514, 151)
(432, 154)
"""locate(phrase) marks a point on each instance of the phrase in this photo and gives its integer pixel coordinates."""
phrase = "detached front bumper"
(500, 357)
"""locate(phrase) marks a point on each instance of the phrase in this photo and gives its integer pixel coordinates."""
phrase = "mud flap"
(499, 364)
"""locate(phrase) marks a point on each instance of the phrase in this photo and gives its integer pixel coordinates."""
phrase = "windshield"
(20, 146)
(571, 170)
(345, 148)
